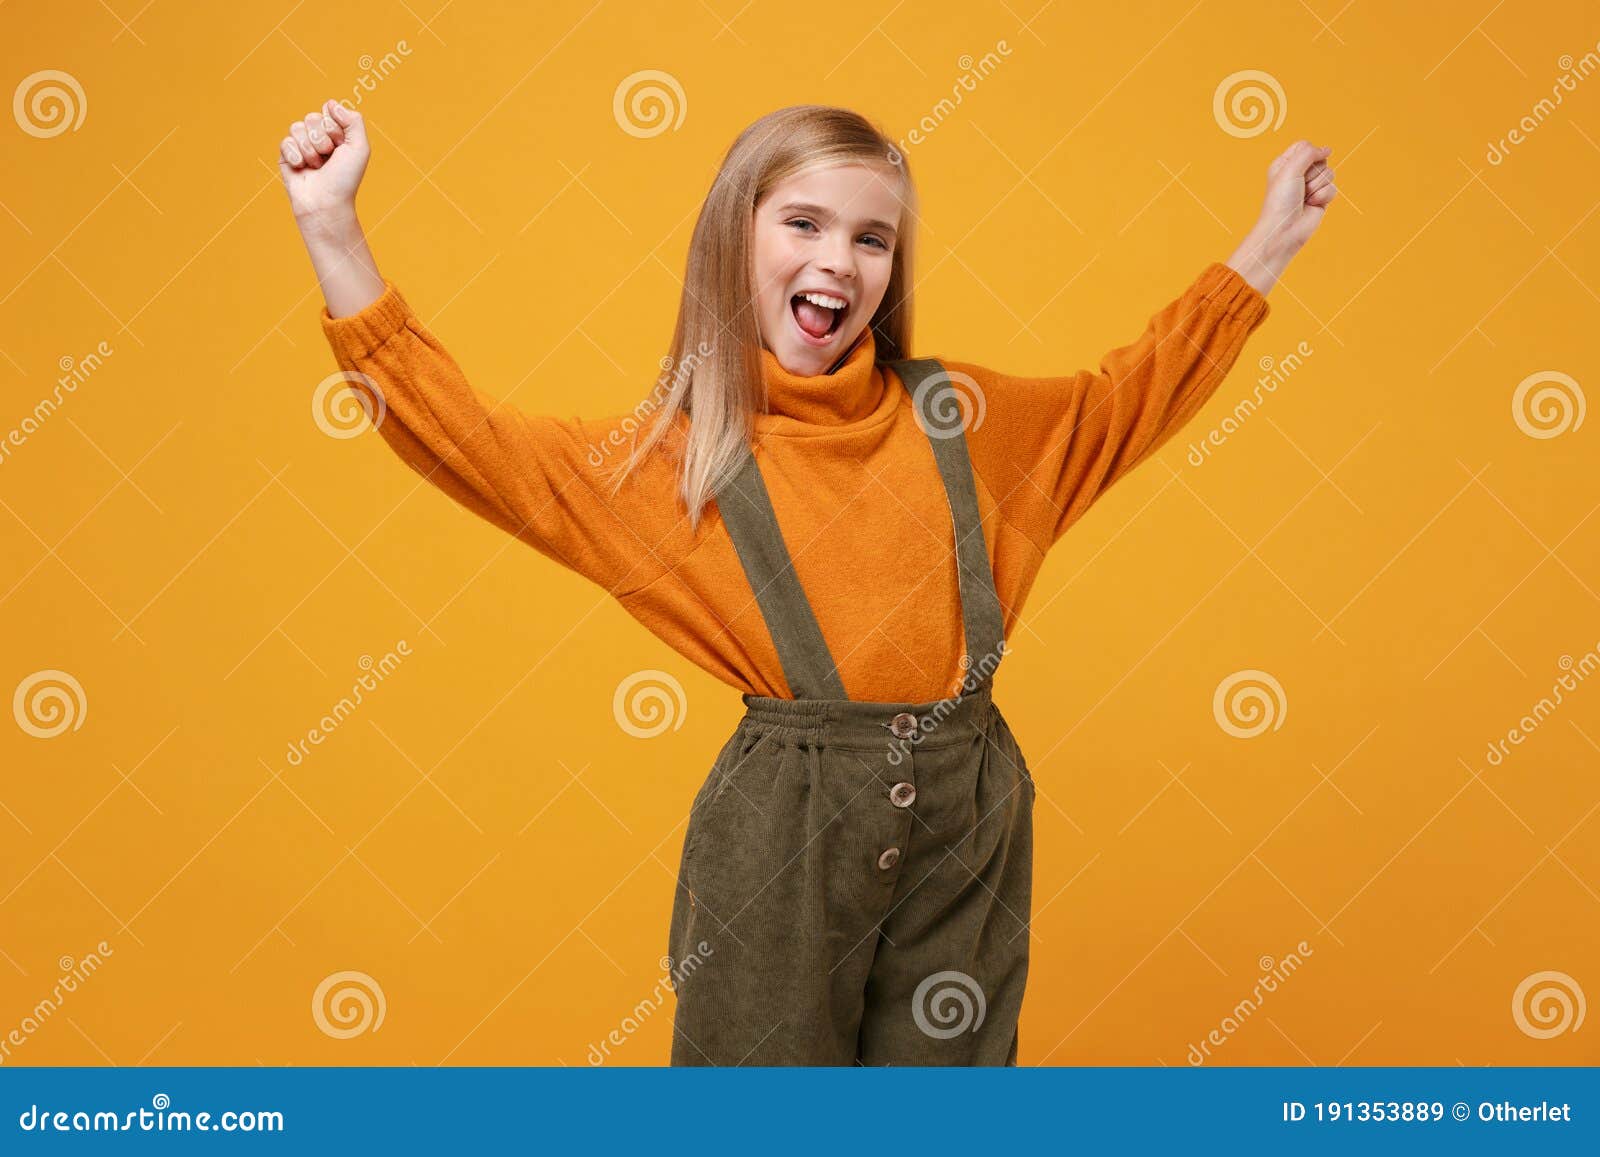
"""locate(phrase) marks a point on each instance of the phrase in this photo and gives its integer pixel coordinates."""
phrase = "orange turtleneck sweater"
(855, 489)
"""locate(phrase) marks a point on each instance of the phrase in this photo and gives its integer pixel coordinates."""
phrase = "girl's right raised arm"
(535, 477)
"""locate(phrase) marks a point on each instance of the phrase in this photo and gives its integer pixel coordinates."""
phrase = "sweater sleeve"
(535, 477)
(1048, 447)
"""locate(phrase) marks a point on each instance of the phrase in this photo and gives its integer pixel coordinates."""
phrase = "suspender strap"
(752, 524)
(981, 613)
(747, 512)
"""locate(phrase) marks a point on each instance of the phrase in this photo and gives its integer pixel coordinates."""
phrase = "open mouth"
(818, 323)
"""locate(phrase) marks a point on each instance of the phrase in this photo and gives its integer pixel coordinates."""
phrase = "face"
(828, 234)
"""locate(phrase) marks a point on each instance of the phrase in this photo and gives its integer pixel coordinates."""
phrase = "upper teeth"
(823, 299)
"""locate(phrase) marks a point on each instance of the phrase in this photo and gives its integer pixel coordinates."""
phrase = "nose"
(839, 258)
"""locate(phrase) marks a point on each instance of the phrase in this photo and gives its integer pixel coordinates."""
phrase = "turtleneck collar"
(851, 393)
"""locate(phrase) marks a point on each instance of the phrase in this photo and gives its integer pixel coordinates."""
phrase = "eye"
(800, 221)
(876, 240)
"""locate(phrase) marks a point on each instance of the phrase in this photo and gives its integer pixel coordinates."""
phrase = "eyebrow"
(819, 211)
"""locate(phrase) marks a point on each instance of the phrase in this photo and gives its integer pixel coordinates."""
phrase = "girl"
(841, 531)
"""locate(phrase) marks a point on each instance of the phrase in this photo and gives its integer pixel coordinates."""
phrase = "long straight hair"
(715, 359)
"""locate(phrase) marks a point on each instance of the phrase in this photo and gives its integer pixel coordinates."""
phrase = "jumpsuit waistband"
(867, 724)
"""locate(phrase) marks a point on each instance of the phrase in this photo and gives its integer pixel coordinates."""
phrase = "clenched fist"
(322, 160)
(1299, 189)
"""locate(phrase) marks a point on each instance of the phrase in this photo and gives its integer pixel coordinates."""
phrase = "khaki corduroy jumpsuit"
(856, 878)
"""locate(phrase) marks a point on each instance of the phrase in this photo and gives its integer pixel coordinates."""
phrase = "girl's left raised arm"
(1049, 447)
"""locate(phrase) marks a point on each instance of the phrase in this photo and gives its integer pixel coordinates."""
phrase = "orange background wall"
(482, 840)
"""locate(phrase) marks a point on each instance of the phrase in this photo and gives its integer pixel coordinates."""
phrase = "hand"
(322, 161)
(1299, 190)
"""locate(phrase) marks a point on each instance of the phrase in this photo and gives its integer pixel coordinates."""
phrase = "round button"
(890, 857)
(901, 794)
(903, 724)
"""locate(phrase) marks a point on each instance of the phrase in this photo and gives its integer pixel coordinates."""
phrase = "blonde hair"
(715, 358)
